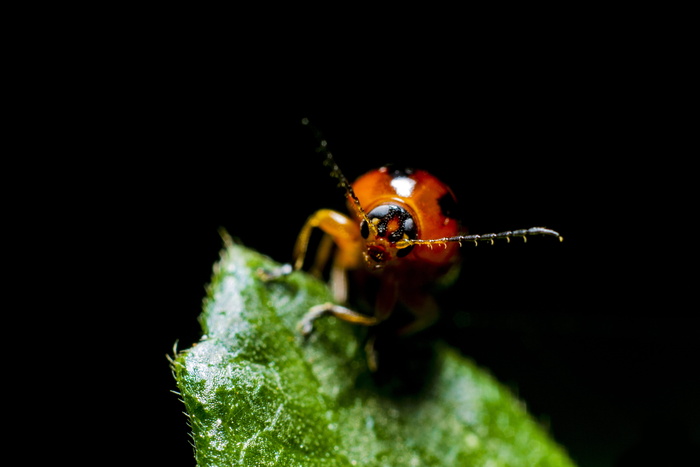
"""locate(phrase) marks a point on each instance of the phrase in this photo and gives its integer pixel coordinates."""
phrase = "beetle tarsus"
(345, 314)
(274, 274)
(306, 325)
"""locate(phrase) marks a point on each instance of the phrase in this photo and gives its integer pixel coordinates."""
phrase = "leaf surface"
(257, 394)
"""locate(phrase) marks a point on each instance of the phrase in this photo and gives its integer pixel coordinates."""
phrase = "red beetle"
(401, 230)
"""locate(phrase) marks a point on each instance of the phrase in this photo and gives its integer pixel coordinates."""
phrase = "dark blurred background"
(586, 332)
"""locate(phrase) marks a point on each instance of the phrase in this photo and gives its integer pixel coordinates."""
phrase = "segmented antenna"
(337, 173)
(507, 235)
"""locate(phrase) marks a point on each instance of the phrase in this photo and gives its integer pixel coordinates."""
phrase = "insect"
(401, 232)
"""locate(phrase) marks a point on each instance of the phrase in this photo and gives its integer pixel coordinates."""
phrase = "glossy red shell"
(424, 197)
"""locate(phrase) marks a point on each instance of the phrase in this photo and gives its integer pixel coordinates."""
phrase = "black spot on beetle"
(448, 205)
(397, 171)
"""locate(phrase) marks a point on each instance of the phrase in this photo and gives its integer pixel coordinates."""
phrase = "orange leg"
(424, 308)
(323, 252)
(306, 325)
(386, 300)
(344, 233)
(338, 280)
(339, 229)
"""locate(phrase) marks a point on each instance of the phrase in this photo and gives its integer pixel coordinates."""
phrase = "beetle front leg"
(306, 325)
(343, 231)
(340, 228)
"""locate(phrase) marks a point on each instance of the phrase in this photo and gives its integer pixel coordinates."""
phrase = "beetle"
(401, 231)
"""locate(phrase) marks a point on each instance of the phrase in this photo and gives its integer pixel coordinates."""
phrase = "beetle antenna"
(507, 235)
(336, 172)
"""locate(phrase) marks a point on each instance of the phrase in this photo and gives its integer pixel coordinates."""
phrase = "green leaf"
(257, 394)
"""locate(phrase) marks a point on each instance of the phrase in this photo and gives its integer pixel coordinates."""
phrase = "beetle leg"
(271, 275)
(387, 296)
(306, 325)
(323, 252)
(426, 311)
(338, 282)
(340, 228)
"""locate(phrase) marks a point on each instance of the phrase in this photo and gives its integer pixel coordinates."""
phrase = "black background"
(588, 332)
